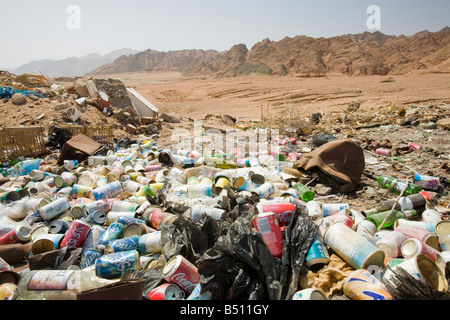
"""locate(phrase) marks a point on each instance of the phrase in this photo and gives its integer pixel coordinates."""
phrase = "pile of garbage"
(143, 221)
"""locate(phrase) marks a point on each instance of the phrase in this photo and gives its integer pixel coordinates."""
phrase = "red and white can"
(267, 224)
(179, 271)
(166, 291)
(17, 235)
(283, 210)
(76, 234)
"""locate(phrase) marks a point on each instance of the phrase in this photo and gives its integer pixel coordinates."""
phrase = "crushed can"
(166, 291)
(267, 224)
(362, 285)
(114, 264)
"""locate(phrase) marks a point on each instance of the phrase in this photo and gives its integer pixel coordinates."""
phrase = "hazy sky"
(35, 30)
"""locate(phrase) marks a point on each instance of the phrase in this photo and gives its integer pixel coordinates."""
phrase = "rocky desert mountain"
(352, 54)
(72, 66)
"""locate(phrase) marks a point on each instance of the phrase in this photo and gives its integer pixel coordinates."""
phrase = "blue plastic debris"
(8, 92)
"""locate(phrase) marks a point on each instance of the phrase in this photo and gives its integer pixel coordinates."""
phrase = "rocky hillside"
(352, 54)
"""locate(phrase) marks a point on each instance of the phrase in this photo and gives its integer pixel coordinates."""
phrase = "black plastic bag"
(298, 238)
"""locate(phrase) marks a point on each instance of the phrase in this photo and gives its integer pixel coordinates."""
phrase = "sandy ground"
(248, 97)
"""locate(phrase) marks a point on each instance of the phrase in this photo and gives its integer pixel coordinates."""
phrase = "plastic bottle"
(395, 185)
(379, 217)
(58, 284)
(304, 193)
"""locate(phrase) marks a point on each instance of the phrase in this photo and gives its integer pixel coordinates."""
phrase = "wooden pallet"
(16, 142)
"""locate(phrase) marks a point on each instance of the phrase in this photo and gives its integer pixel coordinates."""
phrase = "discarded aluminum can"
(65, 192)
(352, 247)
(283, 210)
(124, 206)
(267, 224)
(426, 182)
(92, 238)
(198, 191)
(136, 228)
(113, 232)
(123, 244)
(80, 191)
(70, 163)
(96, 217)
(8, 196)
(75, 236)
(88, 257)
(423, 269)
(54, 208)
(362, 285)
(65, 179)
(431, 216)
(60, 225)
(17, 235)
(197, 294)
(317, 253)
(342, 218)
(114, 264)
(314, 209)
(99, 205)
(145, 191)
(427, 237)
(166, 291)
(443, 234)
(415, 224)
(198, 210)
(46, 242)
(179, 271)
(157, 217)
(150, 243)
(4, 266)
(8, 291)
(383, 152)
(413, 247)
(113, 216)
(414, 146)
(126, 220)
(111, 190)
(309, 294)
(242, 184)
(391, 244)
(330, 209)
(265, 191)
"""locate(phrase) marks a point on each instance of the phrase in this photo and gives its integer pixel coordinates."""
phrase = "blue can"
(125, 220)
(111, 190)
(114, 264)
(113, 232)
(89, 257)
(124, 244)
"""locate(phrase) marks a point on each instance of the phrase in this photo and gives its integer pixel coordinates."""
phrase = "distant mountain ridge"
(72, 66)
(351, 54)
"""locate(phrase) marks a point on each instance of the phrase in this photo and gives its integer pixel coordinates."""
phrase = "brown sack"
(342, 159)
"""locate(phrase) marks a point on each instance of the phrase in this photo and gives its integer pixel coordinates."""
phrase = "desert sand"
(248, 97)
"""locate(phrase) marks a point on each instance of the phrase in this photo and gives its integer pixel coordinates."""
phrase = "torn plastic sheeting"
(185, 237)
(298, 239)
(240, 266)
